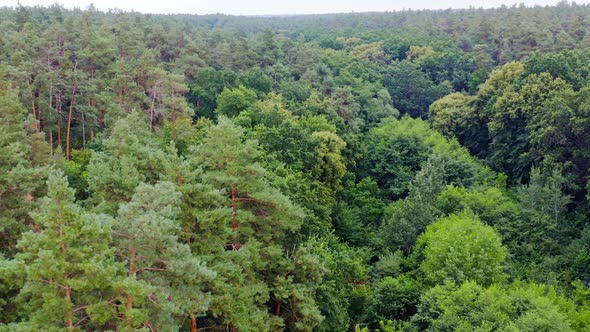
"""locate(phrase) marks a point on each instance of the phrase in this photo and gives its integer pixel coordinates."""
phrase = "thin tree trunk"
(91, 104)
(189, 239)
(51, 141)
(234, 214)
(50, 98)
(84, 129)
(69, 314)
(279, 308)
(59, 119)
(234, 223)
(193, 323)
(50, 86)
(152, 110)
(173, 124)
(173, 130)
(132, 271)
(33, 105)
(70, 116)
(40, 125)
(35, 115)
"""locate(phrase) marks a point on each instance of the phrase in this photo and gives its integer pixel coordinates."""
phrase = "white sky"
(275, 7)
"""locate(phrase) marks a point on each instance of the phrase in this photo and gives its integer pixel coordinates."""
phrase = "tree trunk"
(279, 308)
(173, 130)
(50, 88)
(40, 126)
(70, 115)
(59, 119)
(193, 323)
(69, 314)
(51, 141)
(234, 214)
(50, 101)
(33, 105)
(131, 273)
(35, 115)
(152, 110)
(173, 124)
(84, 130)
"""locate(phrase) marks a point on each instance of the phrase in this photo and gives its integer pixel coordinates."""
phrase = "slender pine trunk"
(35, 115)
(70, 116)
(84, 129)
(152, 111)
(69, 314)
(59, 119)
(69, 126)
(131, 273)
(51, 141)
(193, 323)
(234, 214)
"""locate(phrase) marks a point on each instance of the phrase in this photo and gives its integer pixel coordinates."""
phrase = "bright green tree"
(393, 299)
(517, 307)
(231, 102)
(406, 219)
(396, 150)
(460, 248)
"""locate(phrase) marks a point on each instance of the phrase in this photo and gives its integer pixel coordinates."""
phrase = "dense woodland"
(406, 171)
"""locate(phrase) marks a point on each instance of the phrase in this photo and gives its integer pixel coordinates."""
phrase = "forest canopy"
(400, 171)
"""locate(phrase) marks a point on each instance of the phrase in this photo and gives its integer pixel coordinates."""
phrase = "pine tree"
(255, 267)
(66, 266)
(24, 153)
(131, 156)
(164, 279)
(229, 164)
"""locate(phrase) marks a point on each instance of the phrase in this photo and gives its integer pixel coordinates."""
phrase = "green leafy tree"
(494, 206)
(406, 219)
(258, 81)
(359, 212)
(460, 248)
(411, 89)
(393, 299)
(398, 148)
(544, 207)
(231, 102)
(205, 87)
(456, 115)
(512, 112)
(518, 307)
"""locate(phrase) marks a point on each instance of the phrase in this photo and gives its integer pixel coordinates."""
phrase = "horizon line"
(388, 11)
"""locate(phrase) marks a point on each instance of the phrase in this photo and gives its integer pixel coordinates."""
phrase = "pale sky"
(275, 7)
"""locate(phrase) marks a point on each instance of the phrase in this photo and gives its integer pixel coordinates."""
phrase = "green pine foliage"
(66, 267)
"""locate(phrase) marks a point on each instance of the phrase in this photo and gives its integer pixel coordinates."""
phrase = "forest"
(399, 171)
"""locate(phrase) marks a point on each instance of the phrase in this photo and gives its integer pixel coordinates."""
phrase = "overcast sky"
(276, 7)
